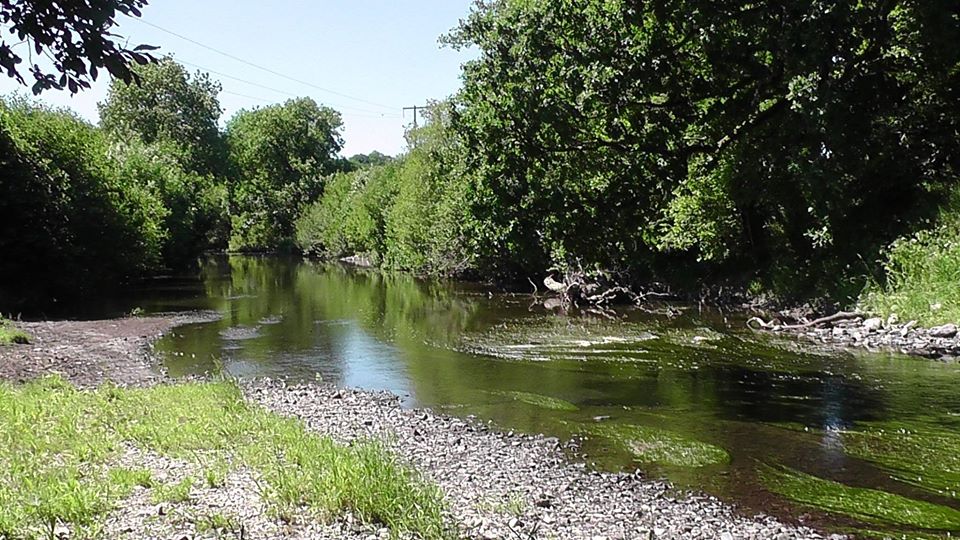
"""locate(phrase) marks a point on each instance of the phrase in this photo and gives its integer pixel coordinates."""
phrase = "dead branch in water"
(756, 323)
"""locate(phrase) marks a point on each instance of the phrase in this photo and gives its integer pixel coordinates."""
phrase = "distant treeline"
(793, 149)
(85, 208)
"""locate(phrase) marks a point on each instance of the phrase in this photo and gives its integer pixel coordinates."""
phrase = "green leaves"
(604, 132)
(282, 154)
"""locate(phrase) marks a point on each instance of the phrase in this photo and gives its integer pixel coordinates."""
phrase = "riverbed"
(836, 439)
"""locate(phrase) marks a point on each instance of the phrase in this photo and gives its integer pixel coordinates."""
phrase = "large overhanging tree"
(728, 130)
(75, 37)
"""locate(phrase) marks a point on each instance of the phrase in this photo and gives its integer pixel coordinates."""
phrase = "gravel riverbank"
(876, 334)
(503, 485)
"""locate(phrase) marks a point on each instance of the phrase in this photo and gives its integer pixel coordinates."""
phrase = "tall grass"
(922, 274)
(58, 450)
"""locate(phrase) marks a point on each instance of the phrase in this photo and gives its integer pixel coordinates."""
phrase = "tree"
(282, 154)
(74, 36)
(165, 133)
(166, 105)
(370, 160)
(790, 138)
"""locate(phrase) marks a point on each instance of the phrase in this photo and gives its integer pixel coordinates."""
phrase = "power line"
(265, 100)
(277, 90)
(268, 70)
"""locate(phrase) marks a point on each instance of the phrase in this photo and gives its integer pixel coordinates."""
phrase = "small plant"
(10, 334)
(174, 493)
(218, 524)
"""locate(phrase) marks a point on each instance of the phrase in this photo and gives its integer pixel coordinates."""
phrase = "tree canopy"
(167, 105)
(282, 154)
(76, 38)
(801, 133)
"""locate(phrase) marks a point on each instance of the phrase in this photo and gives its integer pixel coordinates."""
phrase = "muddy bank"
(88, 353)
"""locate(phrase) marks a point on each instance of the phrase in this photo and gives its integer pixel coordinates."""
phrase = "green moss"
(655, 445)
(868, 505)
(58, 447)
(537, 400)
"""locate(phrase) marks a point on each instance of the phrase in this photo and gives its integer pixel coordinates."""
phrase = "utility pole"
(415, 108)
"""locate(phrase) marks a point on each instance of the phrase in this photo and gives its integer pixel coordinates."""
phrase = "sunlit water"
(462, 350)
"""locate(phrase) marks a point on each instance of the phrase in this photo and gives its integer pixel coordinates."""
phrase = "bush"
(408, 214)
(921, 274)
(197, 205)
(61, 196)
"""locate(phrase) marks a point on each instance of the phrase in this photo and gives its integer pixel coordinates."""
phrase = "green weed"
(869, 505)
(10, 334)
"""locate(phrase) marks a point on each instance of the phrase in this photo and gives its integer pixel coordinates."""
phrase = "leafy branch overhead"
(66, 44)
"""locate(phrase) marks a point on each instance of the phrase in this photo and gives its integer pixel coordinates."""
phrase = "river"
(842, 439)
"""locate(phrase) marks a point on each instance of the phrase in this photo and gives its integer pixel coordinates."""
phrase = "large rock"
(872, 324)
(945, 331)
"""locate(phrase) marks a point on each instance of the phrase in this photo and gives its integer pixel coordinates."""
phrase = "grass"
(10, 334)
(922, 276)
(868, 505)
(515, 505)
(174, 493)
(58, 447)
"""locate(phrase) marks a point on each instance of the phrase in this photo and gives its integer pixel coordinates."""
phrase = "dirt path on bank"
(88, 353)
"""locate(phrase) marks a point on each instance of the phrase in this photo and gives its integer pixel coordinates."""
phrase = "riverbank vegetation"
(663, 145)
(10, 334)
(696, 145)
(62, 450)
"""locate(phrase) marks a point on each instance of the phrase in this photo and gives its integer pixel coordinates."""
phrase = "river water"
(840, 439)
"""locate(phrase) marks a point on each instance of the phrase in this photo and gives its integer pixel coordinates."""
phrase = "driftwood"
(578, 289)
(756, 323)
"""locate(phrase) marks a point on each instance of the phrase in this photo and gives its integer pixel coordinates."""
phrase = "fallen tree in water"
(580, 289)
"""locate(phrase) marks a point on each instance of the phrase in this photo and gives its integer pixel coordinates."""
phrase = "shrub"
(60, 197)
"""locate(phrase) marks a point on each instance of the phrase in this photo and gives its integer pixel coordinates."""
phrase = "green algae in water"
(537, 400)
(925, 457)
(868, 505)
(659, 446)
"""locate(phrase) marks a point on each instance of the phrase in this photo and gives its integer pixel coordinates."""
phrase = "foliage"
(197, 206)
(921, 273)
(372, 159)
(62, 194)
(282, 154)
(411, 213)
(10, 334)
(60, 447)
(784, 141)
(75, 36)
(168, 106)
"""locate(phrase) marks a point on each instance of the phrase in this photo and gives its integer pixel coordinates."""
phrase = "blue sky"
(383, 53)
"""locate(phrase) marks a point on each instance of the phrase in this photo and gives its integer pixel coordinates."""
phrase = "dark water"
(693, 379)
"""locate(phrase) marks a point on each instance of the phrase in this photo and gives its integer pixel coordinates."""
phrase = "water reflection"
(459, 349)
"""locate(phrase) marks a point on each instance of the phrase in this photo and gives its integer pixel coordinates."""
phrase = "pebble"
(510, 485)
